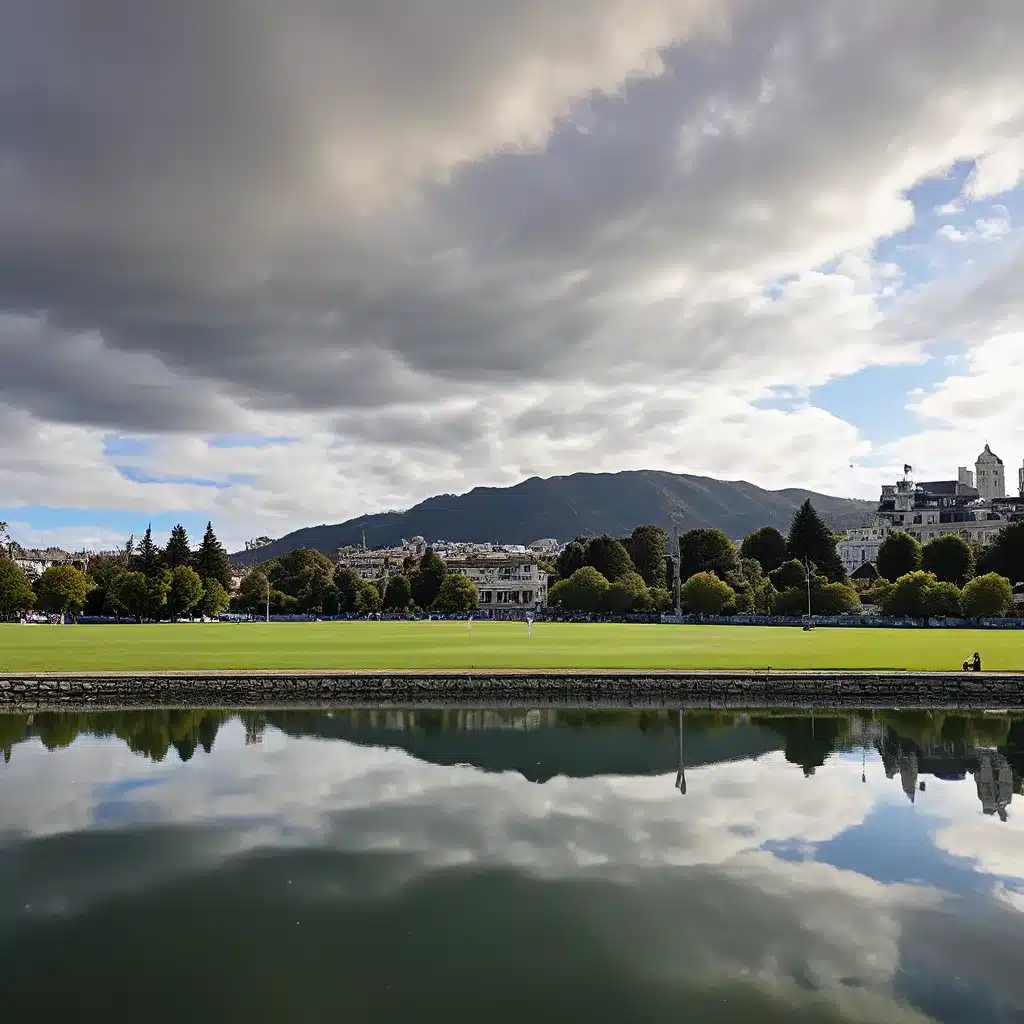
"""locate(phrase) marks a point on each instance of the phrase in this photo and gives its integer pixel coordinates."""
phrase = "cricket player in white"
(529, 625)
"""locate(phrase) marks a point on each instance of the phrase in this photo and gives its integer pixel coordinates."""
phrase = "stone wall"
(679, 689)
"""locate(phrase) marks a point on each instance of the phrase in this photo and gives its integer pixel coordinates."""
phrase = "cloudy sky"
(280, 264)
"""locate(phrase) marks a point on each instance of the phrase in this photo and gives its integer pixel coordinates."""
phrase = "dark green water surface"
(530, 866)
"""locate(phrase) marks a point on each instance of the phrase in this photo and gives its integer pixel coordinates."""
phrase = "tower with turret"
(990, 475)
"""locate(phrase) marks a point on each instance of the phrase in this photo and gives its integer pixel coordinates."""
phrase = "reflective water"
(502, 866)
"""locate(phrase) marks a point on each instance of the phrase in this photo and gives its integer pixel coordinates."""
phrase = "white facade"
(505, 582)
(990, 475)
(973, 507)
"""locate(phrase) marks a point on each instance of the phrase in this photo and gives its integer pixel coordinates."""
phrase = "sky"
(282, 264)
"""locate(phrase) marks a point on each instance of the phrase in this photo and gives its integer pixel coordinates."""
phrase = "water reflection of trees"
(911, 743)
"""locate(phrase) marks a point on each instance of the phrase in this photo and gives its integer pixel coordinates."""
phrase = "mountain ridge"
(568, 506)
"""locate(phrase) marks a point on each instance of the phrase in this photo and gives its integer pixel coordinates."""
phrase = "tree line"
(947, 577)
(142, 582)
(305, 581)
(768, 574)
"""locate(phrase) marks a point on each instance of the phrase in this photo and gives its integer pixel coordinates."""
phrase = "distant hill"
(565, 507)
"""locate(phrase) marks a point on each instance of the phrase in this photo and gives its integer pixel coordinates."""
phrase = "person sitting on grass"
(967, 666)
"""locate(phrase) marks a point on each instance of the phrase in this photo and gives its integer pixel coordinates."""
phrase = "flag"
(908, 469)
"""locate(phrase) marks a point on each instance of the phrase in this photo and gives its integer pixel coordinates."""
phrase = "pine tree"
(148, 558)
(810, 540)
(211, 560)
(178, 551)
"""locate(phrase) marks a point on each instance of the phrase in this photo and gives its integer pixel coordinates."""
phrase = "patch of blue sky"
(140, 476)
(250, 440)
(118, 446)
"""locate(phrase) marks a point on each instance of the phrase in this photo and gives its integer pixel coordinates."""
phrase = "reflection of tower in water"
(681, 774)
(994, 779)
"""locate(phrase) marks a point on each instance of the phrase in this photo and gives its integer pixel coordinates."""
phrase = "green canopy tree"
(215, 599)
(767, 546)
(703, 551)
(628, 593)
(397, 594)
(789, 575)
(646, 547)
(811, 540)
(254, 592)
(950, 558)
(159, 588)
(1005, 556)
(128, 593)
(571, 558)
(909, 595)
(898, 555)
(184, 593)
(426, 579)
(367, 600)
(103, 569)
(458, 593)
(211, 560)
(16, 593)
(704, 593)
(987, 596)
(609, 557)
(62, 589)
(944, 600)
(178, 550)
(585, 590)
(347, 580)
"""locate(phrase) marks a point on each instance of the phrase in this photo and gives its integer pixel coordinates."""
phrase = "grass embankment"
(442, 646)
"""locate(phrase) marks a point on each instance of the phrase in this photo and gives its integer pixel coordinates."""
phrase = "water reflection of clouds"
(806, 932)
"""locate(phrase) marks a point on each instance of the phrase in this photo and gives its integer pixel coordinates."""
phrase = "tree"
(148, 558)
(703, 551)
(944, 600)
(660, 599)
(704, 593)
(628, 593)
(909, 595)
(571, 558)
(16, 594)
(178, 550)
(426, 579)
(347, 580)
(128, 593)
(609, 557)
(458, 593)
(103, 570)
(1005, 555)
(158, 587)
(62, 589)
(789, 575)
(646, 547)
(211, 560)
(584, 591)
(254, 592)
(898, 555)
(987, 596)
(950, 558)
(367, 598)
(184, 593)
(397, 594)
(834, 599)
(767, 545)
(215, 599)
(810, 539)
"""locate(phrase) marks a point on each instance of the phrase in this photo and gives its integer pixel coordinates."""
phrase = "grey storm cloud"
(346, 206)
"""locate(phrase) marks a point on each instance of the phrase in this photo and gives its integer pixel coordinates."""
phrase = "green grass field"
(492, 645)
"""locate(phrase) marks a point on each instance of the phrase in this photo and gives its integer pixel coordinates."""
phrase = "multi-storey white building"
(505, 580)
(506, 576)
(935, 508)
